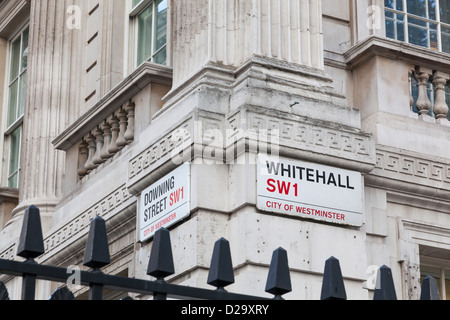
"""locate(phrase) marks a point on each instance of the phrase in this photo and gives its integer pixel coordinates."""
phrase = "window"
(149, 25)
(16, 104)
(424, 23)
(442, 276)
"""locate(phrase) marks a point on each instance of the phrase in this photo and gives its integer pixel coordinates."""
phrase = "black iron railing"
(160, 266)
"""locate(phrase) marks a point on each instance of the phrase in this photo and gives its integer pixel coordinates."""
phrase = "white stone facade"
(306, 80)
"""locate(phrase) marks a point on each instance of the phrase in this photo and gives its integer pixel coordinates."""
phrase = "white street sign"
(164, 203)
(309, 190)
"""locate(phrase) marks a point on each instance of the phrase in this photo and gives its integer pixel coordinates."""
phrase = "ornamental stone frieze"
(71, 235)
(210, 138)
(407, 171)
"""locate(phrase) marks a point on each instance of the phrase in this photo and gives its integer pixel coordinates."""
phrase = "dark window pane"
(445, 36)
(395, 26)
(444, 10)
(145, 22)
(432, 9)
(417, 7)
(394, 4)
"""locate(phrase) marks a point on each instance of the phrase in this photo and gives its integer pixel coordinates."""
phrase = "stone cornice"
(299, 138)
(12, 14)
(396, 50)
(124, 91)
(410, 173)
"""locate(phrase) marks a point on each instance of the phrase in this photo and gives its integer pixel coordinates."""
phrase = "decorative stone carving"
(123, 122)
(129, 134)
(91, 146)
(440, 108)
(107, 139)
(423, 103)
(114, 122)
(106, 127)
(83, 157)
(98, 134)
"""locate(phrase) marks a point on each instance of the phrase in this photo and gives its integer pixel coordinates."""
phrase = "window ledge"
(146, 73)
(396, 50)
(12, 13)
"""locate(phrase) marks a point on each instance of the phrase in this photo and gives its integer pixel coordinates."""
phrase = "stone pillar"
(48, 101)
(440, 108)
(423, 103)
(234, 31)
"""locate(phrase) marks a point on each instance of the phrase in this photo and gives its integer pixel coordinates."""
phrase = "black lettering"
(340, 182)
(310, 175)
(331, 180)
(348, 184)
(301, 169)
(320, 176)
(284, 170)
(272, 169)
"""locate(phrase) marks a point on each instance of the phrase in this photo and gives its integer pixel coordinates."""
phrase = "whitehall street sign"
(164, 203)
(309, 190)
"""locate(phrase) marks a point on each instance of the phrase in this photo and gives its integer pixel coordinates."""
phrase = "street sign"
(309, 190)
(164, 203)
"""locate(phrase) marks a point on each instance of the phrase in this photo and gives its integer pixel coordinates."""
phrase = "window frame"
(17, 123)
(441, 276)
(439, 24)
(134, 12)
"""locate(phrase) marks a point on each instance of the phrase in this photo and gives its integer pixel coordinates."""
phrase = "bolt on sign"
(309, 190)
(164, 203)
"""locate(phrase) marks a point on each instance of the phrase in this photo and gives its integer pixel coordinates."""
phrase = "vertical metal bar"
(439, 25)
(405, 10)
(158, 296)
(95, 291)
(28, 286)
(427, 15)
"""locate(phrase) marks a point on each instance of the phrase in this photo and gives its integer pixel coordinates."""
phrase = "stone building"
(124, 109)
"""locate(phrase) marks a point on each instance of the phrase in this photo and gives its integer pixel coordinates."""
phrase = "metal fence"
(160, 266)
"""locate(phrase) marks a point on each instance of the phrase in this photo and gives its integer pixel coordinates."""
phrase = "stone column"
(440, 108)
(48, 101)
(234, 31)
(423, 103)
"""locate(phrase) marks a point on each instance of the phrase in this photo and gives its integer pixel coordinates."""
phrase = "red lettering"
(271, 184)
(176, 196)
(283, 187)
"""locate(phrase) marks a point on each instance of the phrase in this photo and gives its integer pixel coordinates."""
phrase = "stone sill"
(8, 194)
(396, 50)
(12, 13)
(124, 91)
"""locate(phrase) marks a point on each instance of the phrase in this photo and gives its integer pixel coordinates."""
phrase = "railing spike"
(161, 264)
(279, 279)
(333, 284)
(430, 289)
(31, 241)
(62, 294)
(221, 272)
(3, 292)
(384, 289)
(96, 254)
